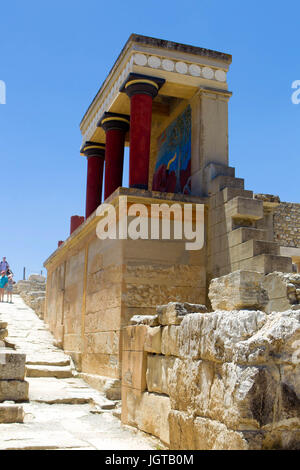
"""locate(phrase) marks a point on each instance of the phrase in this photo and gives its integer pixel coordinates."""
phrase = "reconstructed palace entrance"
(169, 103)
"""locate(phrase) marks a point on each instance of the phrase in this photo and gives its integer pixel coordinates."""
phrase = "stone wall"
(239, 228)
(95, 286)
(33, 292)
(287, 224)
(219, 380)
(13, 387)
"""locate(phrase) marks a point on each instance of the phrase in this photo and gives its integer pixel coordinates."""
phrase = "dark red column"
(95, 154)
(116, 127)
(141, 90)
(75, 221)
(59, 243)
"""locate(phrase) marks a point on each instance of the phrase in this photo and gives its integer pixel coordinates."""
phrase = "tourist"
(3, 282)
(4, 266)
(9, 288)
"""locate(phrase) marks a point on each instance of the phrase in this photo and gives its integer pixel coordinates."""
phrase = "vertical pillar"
(115, 126)
(75, 221)
(95, 154)
(141, 90)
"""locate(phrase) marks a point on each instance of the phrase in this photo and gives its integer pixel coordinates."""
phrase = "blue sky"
(53, 59)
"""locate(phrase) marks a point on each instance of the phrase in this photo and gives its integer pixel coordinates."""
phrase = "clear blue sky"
(54, 57)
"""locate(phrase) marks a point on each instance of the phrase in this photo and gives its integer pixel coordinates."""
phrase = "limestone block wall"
(287, 224)
(219, 380)
(95, 286)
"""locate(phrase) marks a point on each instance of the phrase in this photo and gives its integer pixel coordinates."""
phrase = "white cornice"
(186, 68)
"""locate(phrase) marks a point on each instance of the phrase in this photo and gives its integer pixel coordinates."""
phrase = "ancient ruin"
(201, 345)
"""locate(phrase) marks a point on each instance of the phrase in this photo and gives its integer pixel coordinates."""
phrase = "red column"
(95, 156)
(141, 90)
(140, 124)
(115, 126)
(59, 243)
(75, 221)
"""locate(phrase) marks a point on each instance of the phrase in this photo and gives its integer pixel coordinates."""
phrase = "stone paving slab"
(61, 412)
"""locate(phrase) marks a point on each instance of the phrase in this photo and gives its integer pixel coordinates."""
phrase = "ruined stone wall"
(219, 380)
(287, 224)
(33, 292)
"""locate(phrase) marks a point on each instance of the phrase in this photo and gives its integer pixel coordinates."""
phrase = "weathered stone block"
(238, 290)
(158, 369)
(10, 413)
(134, 338)
(187, 433)
(131, 399)
(240, 397)
(169, 340)
(134, 365)
(106, 342)
(150, 320)
(12, 365)
(13, 390)
(98, 363)
(174, 312)
(153, 340)
(152, 415)
(282, 291)
(245, 337)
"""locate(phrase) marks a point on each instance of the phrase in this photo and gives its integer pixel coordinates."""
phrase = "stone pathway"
(63, 412)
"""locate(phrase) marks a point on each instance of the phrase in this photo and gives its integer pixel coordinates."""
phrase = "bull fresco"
(173, 165)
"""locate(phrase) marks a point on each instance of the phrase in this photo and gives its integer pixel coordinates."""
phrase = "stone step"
(266, 264)
(244, 208)
(59, 372)
(11, 413)
(253, 248)
(230, 193)
(243, 234)
(51, 360)
(221, 182)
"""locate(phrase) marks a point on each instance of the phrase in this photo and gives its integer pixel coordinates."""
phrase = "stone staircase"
(60, 368)
(238, 231)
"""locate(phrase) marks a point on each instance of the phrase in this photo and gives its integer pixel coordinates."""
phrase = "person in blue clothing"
(3, 282)
(4, 266)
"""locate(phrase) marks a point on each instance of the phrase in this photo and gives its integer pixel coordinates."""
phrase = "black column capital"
(93, 149)
(117, 121)
(137, 83)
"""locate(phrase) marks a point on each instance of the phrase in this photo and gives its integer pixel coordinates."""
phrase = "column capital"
(110, 121)
(93, 149)
(137, 83)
